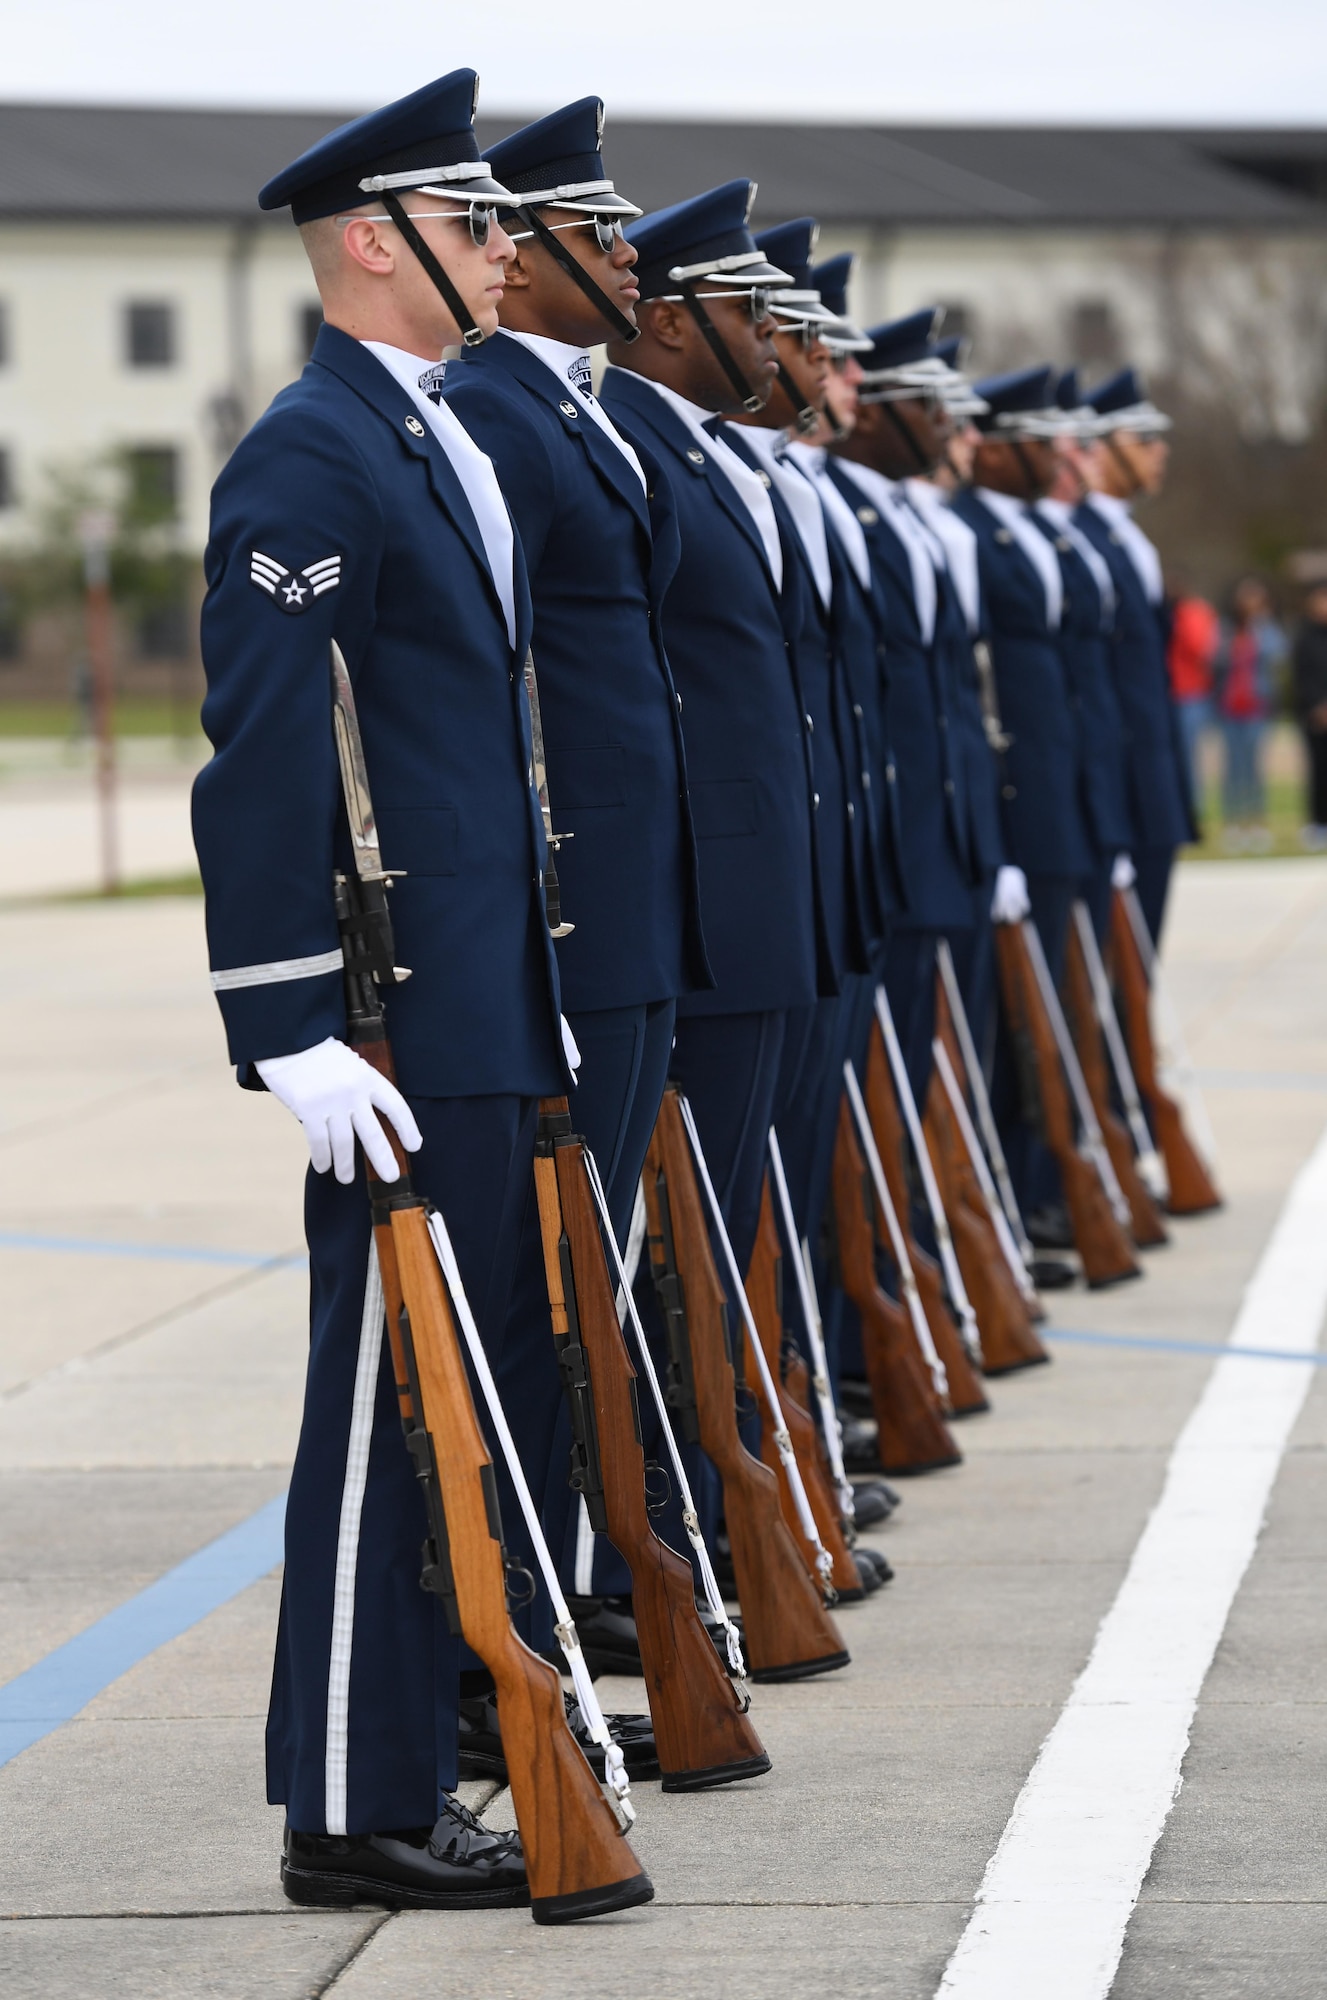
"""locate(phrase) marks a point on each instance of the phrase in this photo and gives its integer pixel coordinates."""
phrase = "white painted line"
(1060, 1888)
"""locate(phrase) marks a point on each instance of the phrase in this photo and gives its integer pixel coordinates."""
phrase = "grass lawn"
(135, 715)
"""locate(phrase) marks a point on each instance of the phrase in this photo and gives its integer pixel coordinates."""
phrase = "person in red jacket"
(1195, 632)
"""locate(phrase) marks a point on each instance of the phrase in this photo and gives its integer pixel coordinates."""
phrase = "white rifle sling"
(1149, 1160)
(800, 1257)
(898, 1248)
(690, 1518)
(981, 1099)
(618, 1785)
(958, 1291)
(972, 1145)
(782, 1442)
(1094, 1146)
(1174, 1062)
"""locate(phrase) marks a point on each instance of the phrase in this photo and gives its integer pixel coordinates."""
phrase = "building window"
(149, 334)
(310, 319)
(4, 333)
(154, 481)
(8, 497)
(1094, 334)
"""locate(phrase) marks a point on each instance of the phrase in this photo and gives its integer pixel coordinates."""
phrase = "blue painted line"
(52, 1692)
(1160, 1346)
(162, 1253)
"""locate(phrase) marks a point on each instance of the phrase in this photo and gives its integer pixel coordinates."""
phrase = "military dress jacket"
(1161, 811)
(600, 551)
(743, 718)
(835, 759)
(1085, 650)
(981, 834)
(929, 778)
(340, 516)
(857, 622)
(1041, 810)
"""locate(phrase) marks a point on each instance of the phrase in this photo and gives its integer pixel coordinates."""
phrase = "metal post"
(96, 531)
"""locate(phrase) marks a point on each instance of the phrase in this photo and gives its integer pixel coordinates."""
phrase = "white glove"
(1011, 902)
(569, 1048)
(336, 1096)
(1123, 874)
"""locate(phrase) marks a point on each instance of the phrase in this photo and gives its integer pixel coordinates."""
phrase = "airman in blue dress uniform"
(1127, 463)
(359, 510)
(598, 527)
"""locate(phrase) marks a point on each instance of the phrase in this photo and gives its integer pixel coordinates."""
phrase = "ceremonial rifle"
(889, 1096)
(1101, 1243)
(789, 1634)
(990, 1131)
(703, 1734)
(1008, 1341)
(764, 1289)
(1192, 1188)
(913, 1435)
(800, 1252)
(966, 1395)
(577, 1862)
(1081, 1010)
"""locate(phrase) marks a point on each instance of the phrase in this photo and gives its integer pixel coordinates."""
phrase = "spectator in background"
(1309, 682)
(1195, 630)
(1250, 649)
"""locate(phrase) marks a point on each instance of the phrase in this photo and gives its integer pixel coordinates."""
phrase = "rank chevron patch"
(290, 591)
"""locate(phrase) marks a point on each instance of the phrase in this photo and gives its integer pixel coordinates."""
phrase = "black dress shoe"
(870, 1582)
(1052, 1274)
(872, 1502)
(861, 1445)
(1049, 1227)
(458, 1865)
(853, 1397)
(481, 1740)
(872, 1559)
(606, 1629)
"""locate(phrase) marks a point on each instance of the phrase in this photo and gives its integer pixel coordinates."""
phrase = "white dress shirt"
(810, 459)
(798, 494)
(571, 365)
(891, 503)
(959, 544)
(1061, 516)
(472, 467)
(749, 486)
(1013, 515)
(1141, 553)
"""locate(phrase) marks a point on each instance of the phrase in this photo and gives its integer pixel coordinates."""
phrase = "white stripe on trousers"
(347, 1546)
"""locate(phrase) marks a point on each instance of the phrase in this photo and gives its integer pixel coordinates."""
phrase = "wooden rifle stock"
(703, 1733)
(1145, 1224)
(1102, 1245)
(764, 1290)
(1192, 1189)
(966, 1395)
(1008, 1341)
(789, 1634)
(914, 1437)
(577, 1863)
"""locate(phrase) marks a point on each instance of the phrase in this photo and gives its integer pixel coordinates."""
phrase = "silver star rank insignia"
(293, 591)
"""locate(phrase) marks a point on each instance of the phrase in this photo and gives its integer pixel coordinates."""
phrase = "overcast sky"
(1188, 61)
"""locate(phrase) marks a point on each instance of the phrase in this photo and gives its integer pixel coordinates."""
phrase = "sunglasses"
(607, 229)
(479, 218)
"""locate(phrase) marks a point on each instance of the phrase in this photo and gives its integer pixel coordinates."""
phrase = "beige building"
(148, 313)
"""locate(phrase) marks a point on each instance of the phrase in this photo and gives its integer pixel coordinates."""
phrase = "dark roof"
(96, 160)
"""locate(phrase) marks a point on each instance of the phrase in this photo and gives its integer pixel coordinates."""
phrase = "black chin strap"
(805, 419)
(919, 458)
(622, 328)
(471, 335)
(715, 342)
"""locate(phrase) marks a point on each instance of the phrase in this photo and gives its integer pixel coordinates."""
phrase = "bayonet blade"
(354, 775)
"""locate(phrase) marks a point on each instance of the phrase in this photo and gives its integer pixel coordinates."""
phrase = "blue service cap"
(425, 142)
(1022, 404)
(1068, 391)
(1122, 404)
(901, 361)
(559, 161)
(792, 245)
(706, 240)
(956, 391)
(831, 280)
